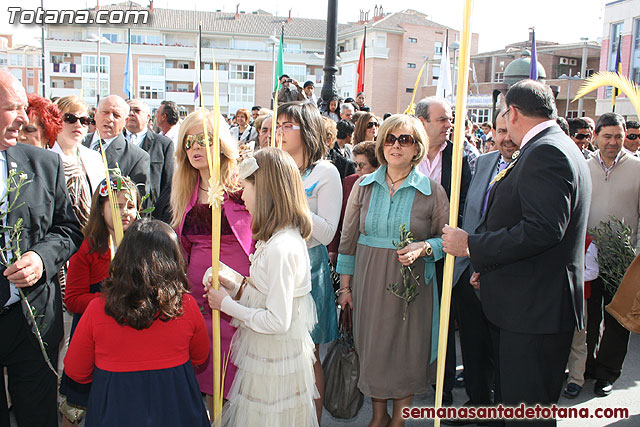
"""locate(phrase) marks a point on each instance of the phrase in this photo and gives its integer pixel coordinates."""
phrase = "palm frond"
(608, 78)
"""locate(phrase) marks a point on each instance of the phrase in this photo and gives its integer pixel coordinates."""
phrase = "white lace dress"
(272, 347)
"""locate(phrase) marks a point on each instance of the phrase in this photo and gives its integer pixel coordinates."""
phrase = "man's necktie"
(501, 166)
(97, 146)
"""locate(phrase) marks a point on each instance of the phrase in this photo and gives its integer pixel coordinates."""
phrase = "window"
(221, 66)
(169, 87)
(242, 72)
(151, 90)
(437, 50)
(183, 65)
(409, 90)
(150, 68)
(635, 56)
(3, 59)
(241, 94)
(30, 74)
(184, 87)
(112, 37)
(435, 74)
(250, 45)
(89, 86)
(298, 72)
(482, 114)
(292, 47)
(145, 39)
(499, 77)
(413, 40)
(573, 114)
(89, 64)
(411, 65)
(616, 30)
(16, 59)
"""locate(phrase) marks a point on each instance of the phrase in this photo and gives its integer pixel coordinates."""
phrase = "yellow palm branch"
(608, 78)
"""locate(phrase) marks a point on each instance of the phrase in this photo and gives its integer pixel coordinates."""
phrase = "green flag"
(280, 64)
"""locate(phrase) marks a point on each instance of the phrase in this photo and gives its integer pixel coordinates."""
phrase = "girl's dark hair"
(96, 231)
(147, 276)
(311, 129)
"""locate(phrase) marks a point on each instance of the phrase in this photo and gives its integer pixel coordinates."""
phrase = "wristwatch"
(428, 250)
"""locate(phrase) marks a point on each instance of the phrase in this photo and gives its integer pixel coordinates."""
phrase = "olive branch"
(615, 251)
(15, 182)
(122, 183)
(408, 291)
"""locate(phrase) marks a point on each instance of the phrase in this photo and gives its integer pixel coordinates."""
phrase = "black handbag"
(341, 366)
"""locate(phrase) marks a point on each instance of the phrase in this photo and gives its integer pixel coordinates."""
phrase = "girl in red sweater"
(137, 341)
(88, 268)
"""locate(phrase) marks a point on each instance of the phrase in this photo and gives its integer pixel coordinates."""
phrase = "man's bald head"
(13, 105)
(110, 116)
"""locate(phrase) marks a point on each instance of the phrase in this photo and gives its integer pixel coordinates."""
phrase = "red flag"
(360, 69)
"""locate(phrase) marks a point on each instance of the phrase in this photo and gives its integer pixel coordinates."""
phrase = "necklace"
(393, 183)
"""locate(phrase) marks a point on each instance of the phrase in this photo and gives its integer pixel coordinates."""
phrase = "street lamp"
(98, 39)
(583, 72)
(454, 47)
(272, 41)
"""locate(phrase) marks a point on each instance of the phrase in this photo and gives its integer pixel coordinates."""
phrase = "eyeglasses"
(508, 110)
(265, 130)
(372, 124)
(581, 136)
(191, 140)
(287, 127)
(633, 136)
(404, 140)
(72, 118)
(361, 165)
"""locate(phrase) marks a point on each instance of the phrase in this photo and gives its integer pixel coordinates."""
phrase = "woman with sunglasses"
(395, 343)
(366, 128)
(301, 130)
(192, 222)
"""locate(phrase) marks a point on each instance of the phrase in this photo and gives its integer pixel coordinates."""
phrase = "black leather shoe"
(572, 391)
(602, 388)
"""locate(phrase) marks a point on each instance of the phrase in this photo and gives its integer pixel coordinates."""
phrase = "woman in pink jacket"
(192, 222)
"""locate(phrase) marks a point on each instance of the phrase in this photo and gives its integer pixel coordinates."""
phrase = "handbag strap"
(346, 322)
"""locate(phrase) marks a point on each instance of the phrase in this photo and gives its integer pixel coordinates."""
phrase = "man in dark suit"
(160, 149)
(475, 340)
(528, 252)
(50, 235)
(437, 118)
(133, 161)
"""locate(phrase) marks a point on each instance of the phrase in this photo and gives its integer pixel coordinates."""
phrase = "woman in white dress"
(274, 312)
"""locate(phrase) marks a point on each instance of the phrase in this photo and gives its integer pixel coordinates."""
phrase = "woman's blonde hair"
(186, 176)
(330, 132)
(280, 199)
(417, 131)
(70, 103)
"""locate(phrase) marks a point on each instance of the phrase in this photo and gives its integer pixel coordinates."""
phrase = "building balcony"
(63, 91)
(65, 69)
(371, 52)
(180, 74)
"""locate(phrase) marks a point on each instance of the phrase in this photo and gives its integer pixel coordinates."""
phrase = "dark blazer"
(472, 216)
(445, 178)
(132, 161)
(160, 149)
(529, 249)
(344, 164)
(51, 230)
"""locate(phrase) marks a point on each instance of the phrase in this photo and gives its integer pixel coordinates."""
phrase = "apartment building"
(621, 18)
(22, 61)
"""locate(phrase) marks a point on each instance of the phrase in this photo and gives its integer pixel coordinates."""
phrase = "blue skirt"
(155, 398)
(326, 330)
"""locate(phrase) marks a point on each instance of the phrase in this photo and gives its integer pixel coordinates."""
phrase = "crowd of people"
(128, 326)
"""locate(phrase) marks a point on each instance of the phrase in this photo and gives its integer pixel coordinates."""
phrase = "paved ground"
(626, 394)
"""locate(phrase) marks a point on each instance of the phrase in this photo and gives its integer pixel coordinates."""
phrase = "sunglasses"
(191, 140)
(372, 124)
(72, 118)
(581, 136)
(633, 136)
(404, 140)
(361, 165)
